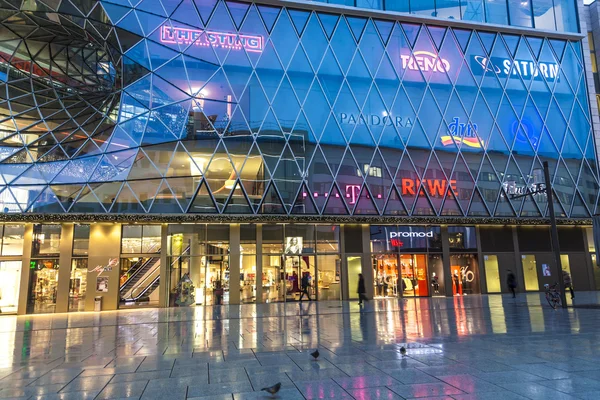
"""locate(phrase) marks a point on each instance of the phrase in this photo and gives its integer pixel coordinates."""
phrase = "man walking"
(511, 281)
(305, 286)
(568, 283)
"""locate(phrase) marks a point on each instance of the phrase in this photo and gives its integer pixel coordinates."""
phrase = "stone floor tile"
(425, 390)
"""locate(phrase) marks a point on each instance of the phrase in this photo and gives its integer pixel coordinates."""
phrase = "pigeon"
(403, 351)
(272, 390)
(315, 354)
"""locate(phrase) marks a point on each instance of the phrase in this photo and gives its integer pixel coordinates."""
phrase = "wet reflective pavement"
(473, 347)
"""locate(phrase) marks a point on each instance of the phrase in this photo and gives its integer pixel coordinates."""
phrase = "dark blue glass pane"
(398, 5)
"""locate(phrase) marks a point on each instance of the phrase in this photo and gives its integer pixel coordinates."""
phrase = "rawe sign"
(462, 133)
(504, 67)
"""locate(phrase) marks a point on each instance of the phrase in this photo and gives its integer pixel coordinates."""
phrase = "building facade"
(172, 153)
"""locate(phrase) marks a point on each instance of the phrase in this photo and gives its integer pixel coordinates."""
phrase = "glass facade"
(241, 108)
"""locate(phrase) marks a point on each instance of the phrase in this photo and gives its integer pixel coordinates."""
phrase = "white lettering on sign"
(428, 234)
(425, 61)
(376, 120)
(524, 68)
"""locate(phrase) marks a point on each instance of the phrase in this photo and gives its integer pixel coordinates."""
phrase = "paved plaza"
(474, 347)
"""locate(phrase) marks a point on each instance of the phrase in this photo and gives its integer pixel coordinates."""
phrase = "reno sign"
(425, 61)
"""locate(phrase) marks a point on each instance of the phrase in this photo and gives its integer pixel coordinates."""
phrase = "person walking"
(305, 286)
(361, 290)
(511, 281)
(568, 283)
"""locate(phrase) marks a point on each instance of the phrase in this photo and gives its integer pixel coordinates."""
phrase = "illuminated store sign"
(376, 120)
(511, 188)
(462, 133)
(435, 187)
(425, 61)
(200, 37)
(527, 69)
(411, 234)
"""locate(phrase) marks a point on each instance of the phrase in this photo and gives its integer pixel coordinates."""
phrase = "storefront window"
(329, 277)
(465, 274)
(139, 279)
(78, 284)
(248, 279)
(272, 278)
(12, 240)
(354, 269)
(492, 274)
(46, 240)
(299, 239)
(81, 240)
(436, 275)
(10, 282)
(462, 238)
(272, 239)
(141, 239)
(43, 285)
(530, 274)
(328, 238)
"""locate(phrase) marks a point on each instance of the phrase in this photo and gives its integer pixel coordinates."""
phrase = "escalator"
(137, 272)
(144, 280)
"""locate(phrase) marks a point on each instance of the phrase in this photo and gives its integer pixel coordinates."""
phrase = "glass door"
(414, 280)
(299, 271)
(217, 280)
(385, 275)
(492, 274)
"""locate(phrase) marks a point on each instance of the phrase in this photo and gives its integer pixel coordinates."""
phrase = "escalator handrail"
(137, 271)
(135, 287)
(131, 297)
(145, 289)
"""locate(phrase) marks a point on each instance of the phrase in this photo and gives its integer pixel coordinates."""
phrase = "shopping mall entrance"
(403, 275)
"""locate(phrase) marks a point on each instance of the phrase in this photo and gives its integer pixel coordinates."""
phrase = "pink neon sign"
(201, 37)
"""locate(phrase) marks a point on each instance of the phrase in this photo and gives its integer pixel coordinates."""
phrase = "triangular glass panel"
(394, 205)
(143, 168)
(67, 194)
(145, 191)
(184, 189)
(299, 18)
(504, 207)
(477, 207)
(105, 193)
(329, 22)
(271, 203)
(203, 202)
(314, 41)
(165, 201)
(269, 15)
(304, 203)
(357, 25)
(238, 204)
(127, 202)
(287, 177)
(281, 36)
(451, 206)
(46, 202)
(335, 205)
(365, 204)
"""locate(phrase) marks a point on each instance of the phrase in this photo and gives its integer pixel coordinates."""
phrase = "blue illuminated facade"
(242, 108)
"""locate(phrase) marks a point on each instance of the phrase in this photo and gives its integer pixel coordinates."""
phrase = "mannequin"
(456, 284)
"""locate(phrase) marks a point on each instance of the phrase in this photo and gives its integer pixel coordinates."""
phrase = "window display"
(43, 285)
(465, 274)
(78, 284)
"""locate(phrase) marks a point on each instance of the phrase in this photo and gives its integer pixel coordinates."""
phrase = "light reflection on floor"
(475, 347)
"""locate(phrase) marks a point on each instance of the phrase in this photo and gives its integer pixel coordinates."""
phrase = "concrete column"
(366, 264)
(163, 288)
(64, 270)
(589, 266)
(446, 261)
(259, 262)
(518, 270)
(344, 266)
(234, 264)
(481, 261)
(25, 271)
(105, 247)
